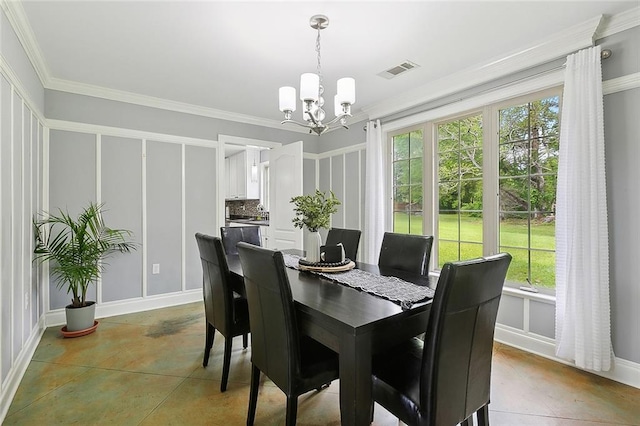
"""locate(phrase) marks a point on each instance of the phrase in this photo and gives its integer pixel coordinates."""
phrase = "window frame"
(490, 166)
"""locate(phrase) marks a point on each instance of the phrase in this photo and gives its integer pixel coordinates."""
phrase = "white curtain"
(374, 202)
(583, 331)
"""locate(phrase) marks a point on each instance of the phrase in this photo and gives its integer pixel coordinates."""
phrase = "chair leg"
(292, 410)
(245, 341)
(211, 333)
(228, 341)
(253, 395)
(483, 415)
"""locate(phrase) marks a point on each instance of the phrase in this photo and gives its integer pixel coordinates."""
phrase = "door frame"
(224, 140)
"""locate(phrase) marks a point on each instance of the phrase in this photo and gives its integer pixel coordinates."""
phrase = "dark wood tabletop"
(355, 324)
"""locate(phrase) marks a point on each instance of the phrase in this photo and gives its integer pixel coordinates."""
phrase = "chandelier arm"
(295, 122)
(337, 118)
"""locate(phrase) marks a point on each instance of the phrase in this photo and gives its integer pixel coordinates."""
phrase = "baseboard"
(10, 386)
(109, 309)
(623, 371)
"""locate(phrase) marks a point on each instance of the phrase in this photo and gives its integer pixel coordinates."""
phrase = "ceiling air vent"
(398, 69)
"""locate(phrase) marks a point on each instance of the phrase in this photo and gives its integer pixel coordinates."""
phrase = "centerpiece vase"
(312, 244)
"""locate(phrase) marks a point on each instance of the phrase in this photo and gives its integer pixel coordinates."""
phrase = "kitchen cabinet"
(241, 176)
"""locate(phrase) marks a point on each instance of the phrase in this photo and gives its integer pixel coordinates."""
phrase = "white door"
(285, 182)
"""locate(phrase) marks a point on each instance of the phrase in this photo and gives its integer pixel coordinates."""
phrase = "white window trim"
(487, 103)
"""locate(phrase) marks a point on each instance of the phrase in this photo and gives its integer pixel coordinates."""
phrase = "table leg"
(355, 380)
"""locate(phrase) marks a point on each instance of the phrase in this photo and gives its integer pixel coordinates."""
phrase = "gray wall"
(104, 112)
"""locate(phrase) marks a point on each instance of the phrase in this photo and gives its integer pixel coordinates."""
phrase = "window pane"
(448, 135)
(471, 228)
(415, 169)
(514, 231)
(514, 123)
(415, 198)
(401, 172)
(519, 268)
(416, 143)
(401, 197)
(401, 147)
(447, 252)
(470, 251)
(545, 116)
(543, 268)
(471, 132)
(514, 159)
(401, 222)
(471, 163)
(448, 166)
(514, 195)
(448, 228)
(471, 194)
(448, 196)
(415, 223)
(543, 232)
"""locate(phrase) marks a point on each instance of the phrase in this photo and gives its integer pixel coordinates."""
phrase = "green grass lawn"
(513, 239)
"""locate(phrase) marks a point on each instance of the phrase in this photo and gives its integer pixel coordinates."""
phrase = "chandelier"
(311, 91)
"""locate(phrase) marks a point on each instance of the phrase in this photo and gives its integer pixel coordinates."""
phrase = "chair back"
(275, 347)
(218, 295)
(232, 235)
(456, 369)
(350, 239)
(406, 252)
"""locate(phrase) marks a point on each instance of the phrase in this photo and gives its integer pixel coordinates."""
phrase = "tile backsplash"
(250, 208)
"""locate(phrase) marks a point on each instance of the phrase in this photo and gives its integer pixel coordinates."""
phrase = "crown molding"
(20, 24)
(153, 102)
(618, 23)
(549, 49)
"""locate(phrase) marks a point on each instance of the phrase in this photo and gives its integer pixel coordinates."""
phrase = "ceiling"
(234, 55)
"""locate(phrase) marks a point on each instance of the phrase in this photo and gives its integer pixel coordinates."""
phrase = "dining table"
(353, 323)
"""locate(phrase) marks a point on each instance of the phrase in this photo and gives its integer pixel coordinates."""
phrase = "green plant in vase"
(314, 212)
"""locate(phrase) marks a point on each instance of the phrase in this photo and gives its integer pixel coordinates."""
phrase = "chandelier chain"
(319, 66)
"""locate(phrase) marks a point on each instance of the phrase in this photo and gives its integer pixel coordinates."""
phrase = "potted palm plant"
(76, 249)
(314, 212)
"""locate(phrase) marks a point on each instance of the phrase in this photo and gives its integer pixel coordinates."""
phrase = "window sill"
(516, 292)
(540, 297)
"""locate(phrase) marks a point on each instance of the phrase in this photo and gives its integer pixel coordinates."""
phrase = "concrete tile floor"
(146, 369)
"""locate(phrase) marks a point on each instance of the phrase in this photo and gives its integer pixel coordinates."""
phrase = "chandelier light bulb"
(347, 90)
(287, 98)
(309, 83)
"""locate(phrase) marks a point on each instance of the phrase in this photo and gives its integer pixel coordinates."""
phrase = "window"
(528, 168)
(459, 148)
(407, 151)
(492, 177)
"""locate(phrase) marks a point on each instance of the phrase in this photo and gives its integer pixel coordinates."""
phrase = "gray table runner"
(391, 288)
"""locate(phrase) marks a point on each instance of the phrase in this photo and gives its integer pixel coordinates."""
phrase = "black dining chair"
(406, 252)
(295, 363)
(225, 310)
(350, 239)
(444, 380)
(232, 235)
